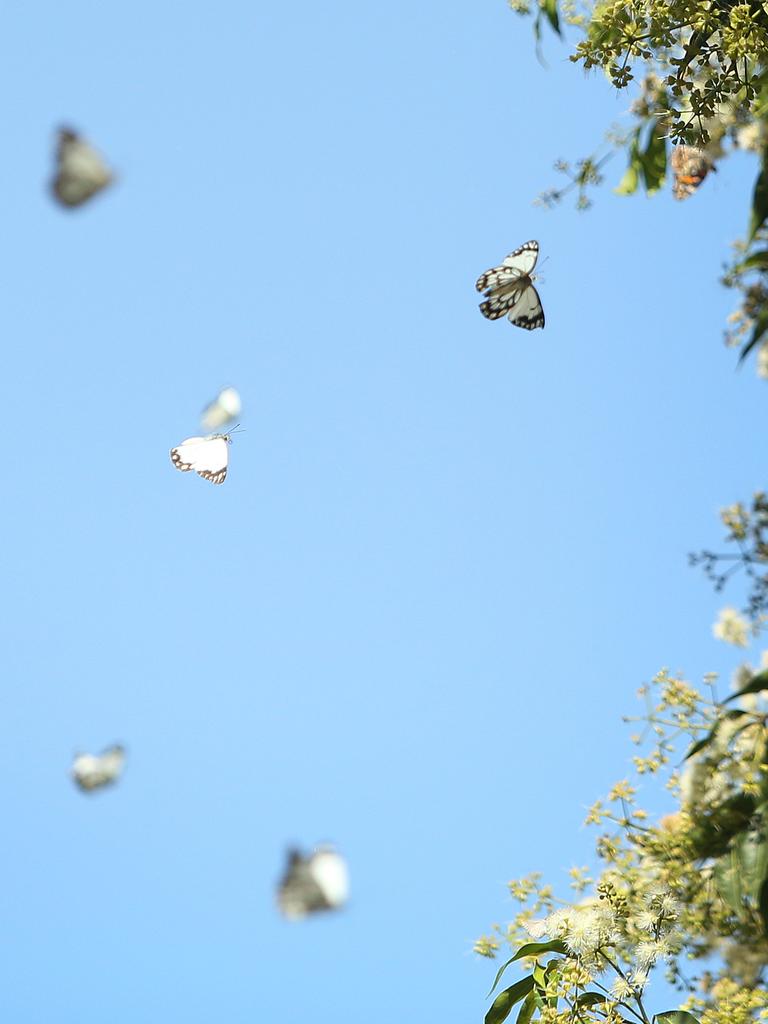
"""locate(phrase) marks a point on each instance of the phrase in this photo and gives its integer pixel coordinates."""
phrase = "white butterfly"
(509, 289)
(208, 456)
(225, 408)
(314, 883)
(92, 771)
(80, 171)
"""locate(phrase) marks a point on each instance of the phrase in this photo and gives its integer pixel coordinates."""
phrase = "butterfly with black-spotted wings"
(93, 771)
(207, 456)
(316, 882)
(224, 409)
(80, 170)
(509, 289)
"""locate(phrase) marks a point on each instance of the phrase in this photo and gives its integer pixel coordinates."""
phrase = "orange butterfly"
(690, 166)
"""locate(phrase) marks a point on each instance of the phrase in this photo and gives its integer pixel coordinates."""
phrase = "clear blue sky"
(447, 553)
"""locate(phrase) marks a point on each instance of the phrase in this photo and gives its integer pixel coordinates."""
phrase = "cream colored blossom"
(671, 822)
(646, 920)
(583, 935)
(693, 780)
(732, 628)
(646, 954)
(669, 906)
(751, 136)
(557, 923)
(622, 791)
(621, 989)
(536, 929)
(639, 978)
(585, 928)
(486, 946)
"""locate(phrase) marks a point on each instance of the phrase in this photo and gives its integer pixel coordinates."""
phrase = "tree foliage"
(747, 532)
(699, 74)
(687, 894)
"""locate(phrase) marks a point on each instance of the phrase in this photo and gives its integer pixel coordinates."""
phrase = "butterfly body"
(93, 771)
(313, 883)
(207, 456)
(509, 289)
(80, 170)
(690, 167)
(224, 409)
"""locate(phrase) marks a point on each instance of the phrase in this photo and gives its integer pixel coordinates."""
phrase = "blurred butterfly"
(225, 408)
(313, 883)
(690, 167)
(80, 170)
(92, 771)
(509, 289)
(207, 456)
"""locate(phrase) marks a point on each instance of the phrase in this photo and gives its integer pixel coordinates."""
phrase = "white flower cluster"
(584, 929)
(732, 627)
(658, 917)
(751, 136)
(762, 361)
(713, 774)
(592, 929)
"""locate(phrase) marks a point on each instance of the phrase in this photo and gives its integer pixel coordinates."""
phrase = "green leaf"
(544, 981)
(728, 882)
(535, 948)
(761, 325)
(530, 949)
(648, 164)
(527, 1010)
(549, 7)
(740, 874)
(676, 1017)
(755, 685)
(762, 905)
(590, 998)
(504, 1001)
(628, 184)
(759, 201)
(757, 261)
(703, 742)
(653, 159)
(537, 30)
(499, 974)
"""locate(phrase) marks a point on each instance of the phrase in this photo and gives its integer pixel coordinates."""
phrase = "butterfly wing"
(92, 771)
(526, 310)
(313, 884)
(329, 870)
(224, 409)
(518, 301)
(207, 456)
(519, 263)
(80, 172)
(298, 894)
(690, 167)
(509, 289)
